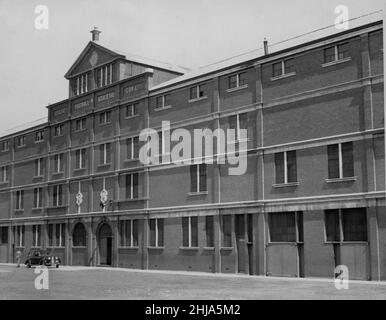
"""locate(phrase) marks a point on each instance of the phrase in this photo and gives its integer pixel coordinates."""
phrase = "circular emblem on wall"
(94, 58)
(79, 198)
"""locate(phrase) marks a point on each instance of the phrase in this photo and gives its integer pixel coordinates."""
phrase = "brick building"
(312, 197)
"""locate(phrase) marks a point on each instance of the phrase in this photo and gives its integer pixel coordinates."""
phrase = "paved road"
(111, 283)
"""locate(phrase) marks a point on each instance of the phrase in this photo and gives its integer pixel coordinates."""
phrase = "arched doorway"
(79, 245)
(105, 244)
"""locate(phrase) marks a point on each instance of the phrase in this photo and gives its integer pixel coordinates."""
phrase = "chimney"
(95, 34)
(265, 46)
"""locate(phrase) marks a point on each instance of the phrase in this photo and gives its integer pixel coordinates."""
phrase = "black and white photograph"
(192, 152)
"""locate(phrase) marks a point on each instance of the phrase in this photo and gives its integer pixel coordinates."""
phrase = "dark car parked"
(40, 258)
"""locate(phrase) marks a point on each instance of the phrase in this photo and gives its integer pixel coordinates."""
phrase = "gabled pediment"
(92, 56)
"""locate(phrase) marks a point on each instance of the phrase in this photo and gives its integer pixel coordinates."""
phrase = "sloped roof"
(24, 126)
(302, 40)
(127, 56)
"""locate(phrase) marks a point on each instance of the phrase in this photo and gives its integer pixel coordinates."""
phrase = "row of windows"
(341, 225)
(103, 76)
(240, 80)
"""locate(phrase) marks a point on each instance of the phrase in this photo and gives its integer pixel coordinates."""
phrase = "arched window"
(79, 236)
(105, 231)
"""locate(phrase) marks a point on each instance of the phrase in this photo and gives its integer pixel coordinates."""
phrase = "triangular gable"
(91, 56)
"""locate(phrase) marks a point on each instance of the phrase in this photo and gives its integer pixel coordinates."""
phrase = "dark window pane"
(354, 224)
(348, 159)
(300, 226)
(289, 66)
(202, 168)
(209, 228)
(201, 91)
(185, 231)
(332, 225)
(152, 232)
(227, 231)
(160, 232)
(343, 51)
(333, 161)
(194, 231)
(282, 227)
(135, 233)
(232, 121)
(277, 69)
(329, 54)
(135, 185)
(136, 147)
(242, 79)
(193, 178)
(279, 167)
(3, 235)
(79, 236)
(128, 186)
(291, 166)
(193, 93)
(232, 81)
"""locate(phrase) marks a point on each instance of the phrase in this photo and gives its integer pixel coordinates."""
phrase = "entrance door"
(240, 242)
(105, 242)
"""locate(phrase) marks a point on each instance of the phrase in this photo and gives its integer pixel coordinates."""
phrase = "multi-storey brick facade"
(312, 197)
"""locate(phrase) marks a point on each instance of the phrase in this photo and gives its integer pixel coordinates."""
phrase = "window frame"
(4, 174)
(197, 179)
(341, 162)
(36, 235)
(38, 198)
(237, 82)
(39, 136)
(192, 230)
(134, 233)
(19, 205)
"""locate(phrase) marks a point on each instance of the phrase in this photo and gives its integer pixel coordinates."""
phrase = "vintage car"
(39, 258)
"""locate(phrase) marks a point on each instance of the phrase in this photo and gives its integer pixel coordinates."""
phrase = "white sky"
(190, 33)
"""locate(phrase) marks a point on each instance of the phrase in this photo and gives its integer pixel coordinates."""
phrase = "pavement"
(70, 282)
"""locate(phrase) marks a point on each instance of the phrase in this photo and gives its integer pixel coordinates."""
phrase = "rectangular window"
(38, 197)
(105, 117)
(131, 110)
(3, 235)
(57, 199)
(38, 167)
(19, 236)
(283, 227)
(209, 230)
(340, 160)
(285, 167)
(132, 185)
(128, 231)
(156, 227)
(105, 153)
(163, 101)
(58, 130)
(283, 67)
(132, 145)
(332, 225)
(20, 141)
(190, 232)
(227, 231)
(346, 225)
(198, 178)
(58, 163)
(336, 53)
(4, 174)
(197, 92)
(80, 124)
(5, 146)
(237, 80)
(20, 200)
(56, 235)
(237, 122)
(39, 136)
(80, 159)
(36, 235)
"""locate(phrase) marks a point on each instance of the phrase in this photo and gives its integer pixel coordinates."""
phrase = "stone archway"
(105, 244)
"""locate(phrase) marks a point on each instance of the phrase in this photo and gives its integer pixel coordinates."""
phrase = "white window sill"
(19, 147)
(283, 185)
(162, 108)
(3, 183)
(103, 165)
(80, 130)
(283, 242)
(190, 248)
(332, 63)
(155, 248)
(237, 88)
(37, 209)
(57, 173)
(56, 247)
(346, 179)
(131, 160)
(197, 99)
(19, 210)
(57, 207)
(208, 248)
(199, 193)
(128, 247)
(226, 248)
(132, 117)
(79, 169)
(40, 141)
(104, 124)
(283, 76)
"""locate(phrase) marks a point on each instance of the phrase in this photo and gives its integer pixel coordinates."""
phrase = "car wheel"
(57, 266)
(28, 265)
